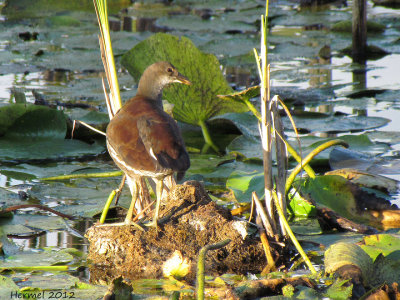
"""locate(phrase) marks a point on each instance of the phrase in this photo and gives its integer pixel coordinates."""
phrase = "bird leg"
(159, 191)
(135, 194)
(133, 186)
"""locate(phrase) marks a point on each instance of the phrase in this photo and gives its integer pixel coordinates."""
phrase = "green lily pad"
(232, 46)
(243, 184)
(193, 104)
(26, 171)
(60, 281)
(339, 290)
(68, 196)
(247, 146)
(91, 117)
(196, 23)
(346, 26)
(298, 206)
(368, 180)
(345, 158)
(246, 122)
(383, 270)
(384, 244)
(20, 120)
(22, 9)
(55, 149)
(68, 21)
(335, 124)
(45, 258)
(7, 286)
(386, 270)
(244, 95)
(36, 223)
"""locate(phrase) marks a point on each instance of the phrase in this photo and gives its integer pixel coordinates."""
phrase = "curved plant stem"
(291, 234)
(252, 108)
(308, 158)
(200, 267)
(87, 175)
(310, 172)
(107, 206)
(40, 268)
(207, 136)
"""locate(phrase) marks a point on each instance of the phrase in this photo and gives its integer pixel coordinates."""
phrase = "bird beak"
(182, 79)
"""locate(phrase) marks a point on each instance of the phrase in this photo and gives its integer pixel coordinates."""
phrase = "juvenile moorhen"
(143, 140)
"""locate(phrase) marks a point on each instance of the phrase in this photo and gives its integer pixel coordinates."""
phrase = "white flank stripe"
(128, 168)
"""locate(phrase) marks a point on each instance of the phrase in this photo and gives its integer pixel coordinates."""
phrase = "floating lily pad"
(384, 244)
(20, 120)
(345, 158)
(247, 146)
(243, 184)
(61, 281)
(336, 124)
(27, 171)
(54, 149)
(7, 287)
(22, 9)
(68, 196)
(334, 192)
(35, 224)
(231, 46)
(193, 22)
(247, 123)
(346, 26)
(44, 258)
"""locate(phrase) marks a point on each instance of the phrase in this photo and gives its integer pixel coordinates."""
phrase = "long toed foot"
(128, 219)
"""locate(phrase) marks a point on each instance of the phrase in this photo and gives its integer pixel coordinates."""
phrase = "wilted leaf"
(242, 96)
(195, 103)
(367, 179)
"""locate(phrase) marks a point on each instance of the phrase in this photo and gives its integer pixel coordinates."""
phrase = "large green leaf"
(195, 103)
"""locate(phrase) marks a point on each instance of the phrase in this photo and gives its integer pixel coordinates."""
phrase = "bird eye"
(169, 70)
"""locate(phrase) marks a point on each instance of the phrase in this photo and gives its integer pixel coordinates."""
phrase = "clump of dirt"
(189, 220)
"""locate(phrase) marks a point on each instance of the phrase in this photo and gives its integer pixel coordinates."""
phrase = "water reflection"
(60, 240)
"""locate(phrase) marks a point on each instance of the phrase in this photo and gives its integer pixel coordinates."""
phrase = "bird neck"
(150, 90)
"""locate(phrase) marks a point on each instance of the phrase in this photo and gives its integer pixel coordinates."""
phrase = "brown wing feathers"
(147, 138)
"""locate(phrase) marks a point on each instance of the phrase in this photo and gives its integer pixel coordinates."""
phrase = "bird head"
(157, 76)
